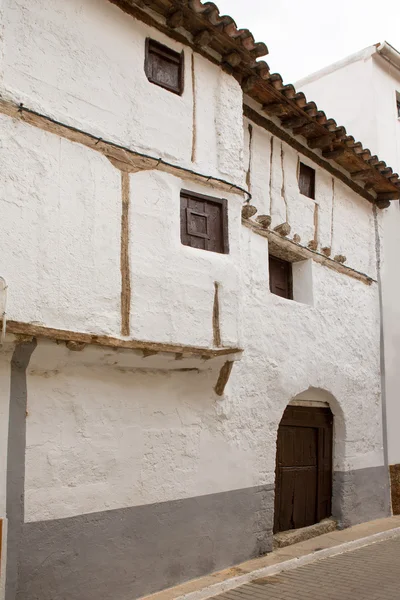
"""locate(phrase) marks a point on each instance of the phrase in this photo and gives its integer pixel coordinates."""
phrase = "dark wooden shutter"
(303, 484)
(307, 181)
(164, 66)
(280, 277)
(204, 222)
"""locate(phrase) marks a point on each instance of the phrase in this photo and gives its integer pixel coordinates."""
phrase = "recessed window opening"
(280, 277)
(398, 104)
(164, 67)
(204, 222)
(307, 181)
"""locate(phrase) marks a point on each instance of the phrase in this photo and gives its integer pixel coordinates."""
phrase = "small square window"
(204, 222)
(307, 181)
(280, 277)
(164, 66)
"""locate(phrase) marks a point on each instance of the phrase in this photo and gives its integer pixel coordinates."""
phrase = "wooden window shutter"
(164, 66)
(204, 222)
(307, 181)
(280, 277)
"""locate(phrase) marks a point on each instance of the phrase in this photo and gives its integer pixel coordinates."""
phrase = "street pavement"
(370, 573)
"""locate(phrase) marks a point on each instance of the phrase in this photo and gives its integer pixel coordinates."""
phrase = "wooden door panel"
(303, 468)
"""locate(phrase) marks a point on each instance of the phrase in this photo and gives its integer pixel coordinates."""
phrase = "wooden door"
(303, 481)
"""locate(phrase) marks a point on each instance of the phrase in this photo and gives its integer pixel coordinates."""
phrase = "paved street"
(370, 573)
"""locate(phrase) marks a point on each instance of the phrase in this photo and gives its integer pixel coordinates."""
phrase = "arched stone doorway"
(303, 478)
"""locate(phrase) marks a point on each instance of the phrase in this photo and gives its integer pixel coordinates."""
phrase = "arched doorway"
(303, 479)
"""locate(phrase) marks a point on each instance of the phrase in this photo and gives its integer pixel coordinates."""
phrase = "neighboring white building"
(145, 379)
(363, 91)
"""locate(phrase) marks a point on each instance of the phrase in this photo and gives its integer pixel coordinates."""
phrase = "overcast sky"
(305, 35)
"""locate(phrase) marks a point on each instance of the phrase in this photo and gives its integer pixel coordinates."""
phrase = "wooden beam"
(322, 141)
(364, 175)
(223, 378)
(233, 59)
(175, 19)
(384, 196)
(307, 129)
(294, 122)
(203, 38)
(283, 135)
(302, 252)
(276, 108)
(40, 331)
(249, 83)
(333, 154)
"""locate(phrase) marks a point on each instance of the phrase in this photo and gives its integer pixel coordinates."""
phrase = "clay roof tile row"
(238, 53)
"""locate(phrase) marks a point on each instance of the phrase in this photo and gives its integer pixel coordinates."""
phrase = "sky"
(305, 36)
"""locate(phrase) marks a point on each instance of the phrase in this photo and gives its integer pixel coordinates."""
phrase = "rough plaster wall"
(229, 134)
(257, 159)
(61, 207)
(96, 81)
(344, 220)
(102, 438)
(354, 98)
(172, 284)
(353, 230)
(386, 82)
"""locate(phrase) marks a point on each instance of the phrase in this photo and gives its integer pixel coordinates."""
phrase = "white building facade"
(149, 355)
(369, 105)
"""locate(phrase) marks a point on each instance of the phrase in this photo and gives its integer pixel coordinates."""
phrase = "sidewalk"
(284, 559)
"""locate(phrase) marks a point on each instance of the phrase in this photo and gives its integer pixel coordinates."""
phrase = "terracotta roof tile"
(238, 52)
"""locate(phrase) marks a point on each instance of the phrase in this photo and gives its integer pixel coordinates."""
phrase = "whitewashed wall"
(103, 436)
(367, 107)
(95, 80)
(344, 91)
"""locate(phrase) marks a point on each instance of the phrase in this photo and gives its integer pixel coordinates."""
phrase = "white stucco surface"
(61, 213)
(367, 107)
(102, 434)
(104, 437)
(98, 83)
(173, 285)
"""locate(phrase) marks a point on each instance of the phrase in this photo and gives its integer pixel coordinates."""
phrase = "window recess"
(164, 67)
(280, 277)
(307, 181)
(204, 222)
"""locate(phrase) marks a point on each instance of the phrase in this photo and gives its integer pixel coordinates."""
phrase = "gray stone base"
(360, 495)
(127, 553)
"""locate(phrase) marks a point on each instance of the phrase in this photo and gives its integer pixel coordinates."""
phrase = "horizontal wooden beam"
(323, 141)
(303, 253)
(40, 331)
(123, 158)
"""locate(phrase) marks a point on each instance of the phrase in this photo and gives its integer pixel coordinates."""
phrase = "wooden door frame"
(320, 418)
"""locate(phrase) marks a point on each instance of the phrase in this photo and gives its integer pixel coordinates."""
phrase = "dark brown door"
(303, 484)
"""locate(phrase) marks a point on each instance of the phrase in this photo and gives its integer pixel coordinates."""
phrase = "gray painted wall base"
(127, 553)
(360, 495)
(16, 461)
